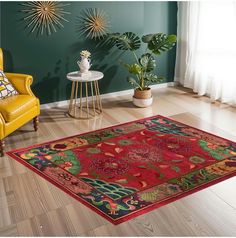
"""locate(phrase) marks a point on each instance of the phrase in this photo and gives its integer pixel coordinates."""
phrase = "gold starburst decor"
(44, 17)
(93, 23)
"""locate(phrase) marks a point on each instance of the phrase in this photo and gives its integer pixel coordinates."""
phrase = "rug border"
(133, 215)
(119, 124)
(136, 213)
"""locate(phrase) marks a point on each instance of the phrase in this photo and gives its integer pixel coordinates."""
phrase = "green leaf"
(56, 158)
(125, 41)
(69, 153)
(161, 42)
(110, 39)
(153, 78)
(147, 38)
(142, 166)
(33, 161)
(162, 175)
(122, 181)
(133, 82)
(128, 41)
(147, 62)
(175, 168)
(172, 38)
(134, 68)
(74, 170)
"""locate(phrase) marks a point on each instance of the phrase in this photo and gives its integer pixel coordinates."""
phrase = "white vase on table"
(84, 65)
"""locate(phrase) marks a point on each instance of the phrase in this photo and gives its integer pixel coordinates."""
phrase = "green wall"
(50, 58)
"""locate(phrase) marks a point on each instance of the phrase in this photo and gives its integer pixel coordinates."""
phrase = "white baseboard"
(105, 96)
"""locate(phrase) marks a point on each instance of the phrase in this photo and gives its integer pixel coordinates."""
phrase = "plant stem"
(142, 82)
(140, 76)
(135, 56)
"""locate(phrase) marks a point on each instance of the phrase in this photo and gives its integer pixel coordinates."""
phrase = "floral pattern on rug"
(127, 170)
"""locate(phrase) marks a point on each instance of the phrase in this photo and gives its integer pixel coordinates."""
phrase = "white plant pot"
(142, 102)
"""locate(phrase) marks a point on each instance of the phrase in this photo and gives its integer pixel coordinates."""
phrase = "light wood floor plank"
(10, 230)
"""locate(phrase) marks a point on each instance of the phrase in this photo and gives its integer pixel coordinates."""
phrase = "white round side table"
(89, 107)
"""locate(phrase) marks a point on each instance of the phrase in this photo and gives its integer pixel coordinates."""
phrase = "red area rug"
(126, 170)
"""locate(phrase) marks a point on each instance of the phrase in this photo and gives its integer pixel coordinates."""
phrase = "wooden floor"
(31, 206)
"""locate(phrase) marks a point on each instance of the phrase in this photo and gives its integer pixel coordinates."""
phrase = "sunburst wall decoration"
(44, 17)
(93, 23)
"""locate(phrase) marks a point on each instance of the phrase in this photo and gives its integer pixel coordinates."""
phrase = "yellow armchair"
(17, 110)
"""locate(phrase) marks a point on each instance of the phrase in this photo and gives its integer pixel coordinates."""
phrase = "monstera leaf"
(147, 38)
(111, 39)
(128, 41)
(147, 62)
(152, 78)
(134, 68)
(125, 41)
(159, 42)
(133, 82)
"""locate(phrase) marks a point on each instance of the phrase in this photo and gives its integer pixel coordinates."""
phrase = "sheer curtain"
(206, 48)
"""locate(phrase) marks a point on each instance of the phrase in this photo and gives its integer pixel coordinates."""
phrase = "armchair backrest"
(1, 59)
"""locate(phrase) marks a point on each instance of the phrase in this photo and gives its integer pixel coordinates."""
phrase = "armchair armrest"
(2, 122)
(21, 82)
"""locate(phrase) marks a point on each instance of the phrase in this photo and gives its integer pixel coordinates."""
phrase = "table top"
(95, 75)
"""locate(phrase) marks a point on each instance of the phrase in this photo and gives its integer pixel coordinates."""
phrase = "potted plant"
(144, 66)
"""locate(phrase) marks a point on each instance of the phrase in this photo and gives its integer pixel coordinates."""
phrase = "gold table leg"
(72, 96)
(96, 104)
(94, 111)
(81, 94)
(76, 94)
(96, 94)
(99, 98)
(86, 89)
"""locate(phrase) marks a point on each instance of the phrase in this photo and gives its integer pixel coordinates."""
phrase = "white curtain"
(206, 48)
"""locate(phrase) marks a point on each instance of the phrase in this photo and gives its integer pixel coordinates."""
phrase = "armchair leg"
(2, 146)
(36, 123)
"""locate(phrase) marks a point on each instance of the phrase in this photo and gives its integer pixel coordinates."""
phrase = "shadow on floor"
(121, 104)
(54, 114)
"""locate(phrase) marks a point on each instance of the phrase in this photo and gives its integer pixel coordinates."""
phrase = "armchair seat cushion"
(14, 106)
